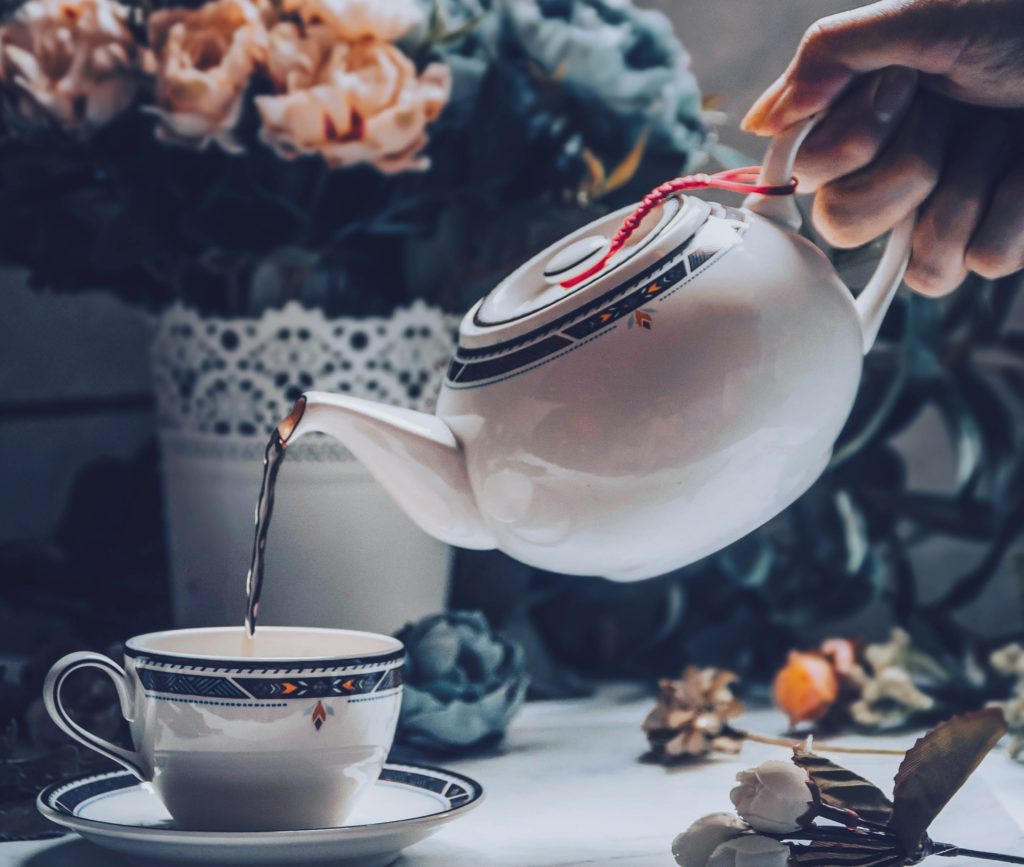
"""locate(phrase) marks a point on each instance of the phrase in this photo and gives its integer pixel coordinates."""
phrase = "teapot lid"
(541, 287)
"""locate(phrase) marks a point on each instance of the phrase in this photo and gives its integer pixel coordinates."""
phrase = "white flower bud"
(750, 850)
(694, 846)
(775, 797)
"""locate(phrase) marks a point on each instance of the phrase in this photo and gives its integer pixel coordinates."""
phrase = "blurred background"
(130, 446)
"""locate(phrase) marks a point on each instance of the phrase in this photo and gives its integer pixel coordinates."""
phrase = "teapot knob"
(575, 259)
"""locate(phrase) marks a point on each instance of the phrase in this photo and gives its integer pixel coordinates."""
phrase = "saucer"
(407, 804)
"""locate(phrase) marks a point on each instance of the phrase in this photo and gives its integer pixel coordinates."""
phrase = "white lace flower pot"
(340, 553)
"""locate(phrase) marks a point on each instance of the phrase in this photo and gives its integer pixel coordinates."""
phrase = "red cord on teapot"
(742, 180)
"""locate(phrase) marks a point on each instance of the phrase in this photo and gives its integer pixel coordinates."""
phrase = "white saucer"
(406, 805)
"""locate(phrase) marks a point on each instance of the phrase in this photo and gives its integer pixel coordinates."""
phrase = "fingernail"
(763, 105)
(895, 89)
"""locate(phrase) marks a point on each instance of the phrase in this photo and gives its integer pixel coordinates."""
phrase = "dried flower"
(1010, 660)
(1013, 710)
(775, 797)
(351, 103)
(841, 653)
(203, 59)
(352, 20)
(817, 812)
(691, 716)
(694, 846)
(69, 61)
(463, 682)
(750, 850)
(889, 695)
(807, 687)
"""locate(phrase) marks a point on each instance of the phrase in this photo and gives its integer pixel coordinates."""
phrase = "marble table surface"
(567, 790)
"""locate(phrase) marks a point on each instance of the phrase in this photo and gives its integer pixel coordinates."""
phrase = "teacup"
(284, 737)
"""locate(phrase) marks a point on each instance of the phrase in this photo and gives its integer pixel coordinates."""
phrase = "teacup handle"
(874, 299)
(62, 668)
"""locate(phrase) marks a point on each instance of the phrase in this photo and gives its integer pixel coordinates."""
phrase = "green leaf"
(748, 562)
(844, 789)
(962, 518)
(936, 767)
(964, 434)
(993, 416)
(855, 531)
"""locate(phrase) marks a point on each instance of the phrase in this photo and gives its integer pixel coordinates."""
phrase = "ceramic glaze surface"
(288, 738)
(691, 431)
(624, 416)
(405, 805)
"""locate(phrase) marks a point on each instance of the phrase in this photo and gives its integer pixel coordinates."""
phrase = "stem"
(948, 850)
(850, 820)
(819, 747)
(833, 834)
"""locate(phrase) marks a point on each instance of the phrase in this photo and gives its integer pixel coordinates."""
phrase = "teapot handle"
(874, 299)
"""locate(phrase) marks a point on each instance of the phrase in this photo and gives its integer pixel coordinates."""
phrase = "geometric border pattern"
(184, 686)
(268, 665)
(198, 685)
(457, 790)
(473, 368)
(320, 687)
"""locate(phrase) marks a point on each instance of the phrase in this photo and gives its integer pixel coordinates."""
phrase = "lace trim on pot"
(233, 380)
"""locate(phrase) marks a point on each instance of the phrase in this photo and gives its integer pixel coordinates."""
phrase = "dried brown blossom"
(691, 717)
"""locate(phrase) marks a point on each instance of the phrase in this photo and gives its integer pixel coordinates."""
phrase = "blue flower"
(625, 60)
(619, 62)
(462, 683)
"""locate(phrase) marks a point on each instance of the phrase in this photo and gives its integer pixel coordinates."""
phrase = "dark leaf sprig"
(846, 819)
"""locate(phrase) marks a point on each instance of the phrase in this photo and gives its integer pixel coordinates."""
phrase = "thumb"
(918, 34)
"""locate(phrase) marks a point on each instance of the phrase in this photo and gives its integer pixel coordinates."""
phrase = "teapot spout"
(412, 455)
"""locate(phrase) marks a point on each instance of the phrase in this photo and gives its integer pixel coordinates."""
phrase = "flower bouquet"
(815, 812)
(349, 154)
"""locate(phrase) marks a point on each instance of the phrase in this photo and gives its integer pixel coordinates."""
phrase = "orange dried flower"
(806, 688)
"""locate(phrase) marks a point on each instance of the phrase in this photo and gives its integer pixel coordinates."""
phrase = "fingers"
(950, 217)
(918, 35)
(997, 248)
(857, 128)
(858, 207)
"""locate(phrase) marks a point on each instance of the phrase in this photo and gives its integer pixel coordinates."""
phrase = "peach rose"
(351, 103)
(806, 688)
(202, 59)
(352, 20)
(70, 61)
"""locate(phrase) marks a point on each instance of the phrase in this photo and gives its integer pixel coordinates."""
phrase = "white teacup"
(286, 737)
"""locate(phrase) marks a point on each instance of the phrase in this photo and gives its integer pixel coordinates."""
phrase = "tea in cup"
(283, 731)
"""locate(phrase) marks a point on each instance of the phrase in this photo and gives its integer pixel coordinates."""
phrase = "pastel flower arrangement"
(341, 87)
(877, 686)
(352, 154)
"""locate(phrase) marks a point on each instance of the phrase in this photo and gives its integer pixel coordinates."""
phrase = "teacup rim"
(136, 647)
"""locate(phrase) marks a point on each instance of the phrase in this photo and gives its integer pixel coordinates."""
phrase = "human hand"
(920, 104)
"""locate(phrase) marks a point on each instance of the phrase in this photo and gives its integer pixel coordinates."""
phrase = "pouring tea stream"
(626, 410)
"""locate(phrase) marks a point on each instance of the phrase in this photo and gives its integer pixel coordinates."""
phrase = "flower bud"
(750, 850)
(775, 797)
(806, 687)
(694, 846)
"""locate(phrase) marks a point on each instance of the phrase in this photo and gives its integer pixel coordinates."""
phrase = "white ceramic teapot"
(654, 412)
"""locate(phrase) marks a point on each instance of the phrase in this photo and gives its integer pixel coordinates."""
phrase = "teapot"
(640, 394)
